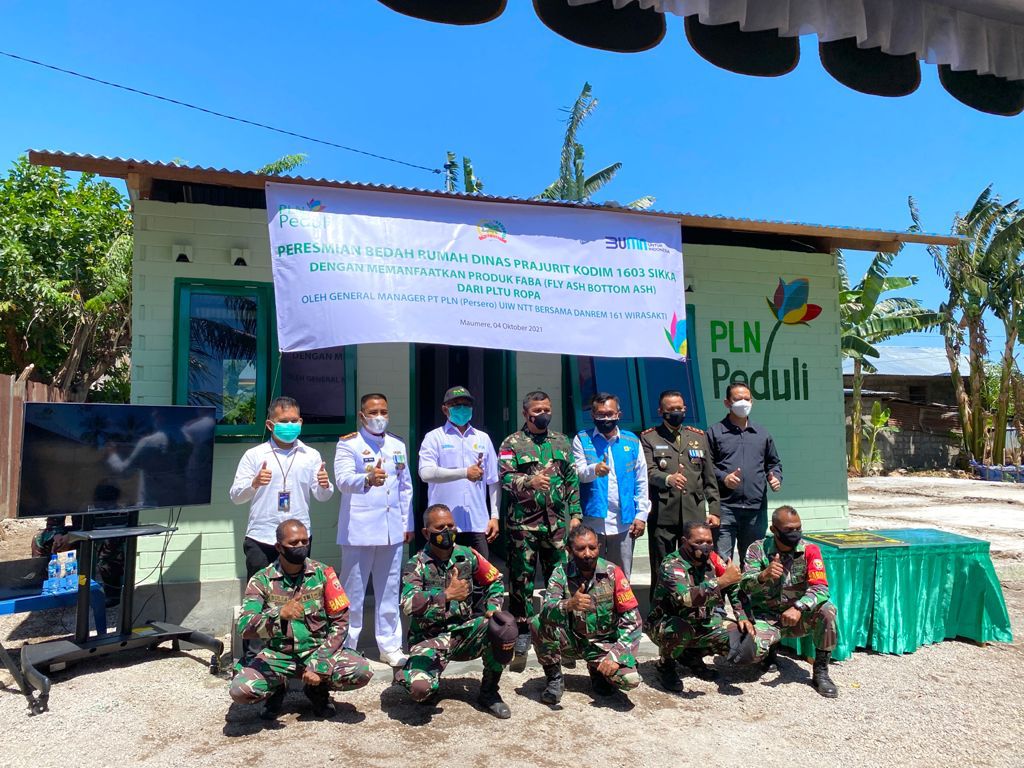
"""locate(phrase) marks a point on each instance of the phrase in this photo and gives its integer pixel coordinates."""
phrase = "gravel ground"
(949, 703)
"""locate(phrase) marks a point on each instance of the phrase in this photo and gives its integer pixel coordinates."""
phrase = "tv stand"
(40, 657)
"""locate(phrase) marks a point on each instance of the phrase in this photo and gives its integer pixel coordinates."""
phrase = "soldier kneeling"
(589, 612)
(437, 593)
(297, 606)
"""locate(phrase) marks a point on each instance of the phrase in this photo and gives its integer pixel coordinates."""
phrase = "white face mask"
(741, 408)
(377, 424)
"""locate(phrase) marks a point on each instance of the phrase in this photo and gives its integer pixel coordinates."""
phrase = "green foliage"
(451, 176)
(65, 253)
(878, 424)
(283, 164)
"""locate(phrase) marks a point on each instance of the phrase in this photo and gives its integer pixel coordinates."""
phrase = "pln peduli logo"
(488, 229)
(789, 305)
(676, 335)
(315, 205)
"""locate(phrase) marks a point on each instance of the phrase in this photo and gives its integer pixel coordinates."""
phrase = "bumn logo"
(626, 243)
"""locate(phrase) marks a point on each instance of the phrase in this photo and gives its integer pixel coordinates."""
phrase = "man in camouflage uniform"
(437, 593)
(298, 608)
(785, 579)
(589, 612)
(687, 618)
(537, 469)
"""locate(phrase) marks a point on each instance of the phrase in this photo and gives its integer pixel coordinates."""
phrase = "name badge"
(284, 501)
(367, 459)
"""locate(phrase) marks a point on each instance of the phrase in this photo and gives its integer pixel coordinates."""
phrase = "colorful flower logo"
(790, 303)
(676, 335)
(315, 205)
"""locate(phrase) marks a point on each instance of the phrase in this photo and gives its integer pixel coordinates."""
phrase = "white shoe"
(394, 658)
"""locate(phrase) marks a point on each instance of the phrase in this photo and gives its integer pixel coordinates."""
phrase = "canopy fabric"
(985, 36)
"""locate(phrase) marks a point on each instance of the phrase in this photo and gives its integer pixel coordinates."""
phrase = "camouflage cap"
(454, 393)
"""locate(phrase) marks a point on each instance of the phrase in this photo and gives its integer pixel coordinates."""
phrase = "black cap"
(502, 632)
(454, 393)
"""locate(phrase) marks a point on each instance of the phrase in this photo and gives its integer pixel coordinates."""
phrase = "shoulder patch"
(648, 431)
(694, 429)
(624, 598)
(349, 436)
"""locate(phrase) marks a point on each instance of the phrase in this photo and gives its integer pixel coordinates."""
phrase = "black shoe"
(272, 706)
(600, 683)
(771, 659)
(552, 693)
(819, 678)
(489, 697)
(694, 662)
(320, 696)
(522, 651)
(668, 675)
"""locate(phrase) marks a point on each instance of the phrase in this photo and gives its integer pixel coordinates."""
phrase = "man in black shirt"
(746, 465)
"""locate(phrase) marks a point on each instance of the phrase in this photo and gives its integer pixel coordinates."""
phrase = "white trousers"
(384, 565)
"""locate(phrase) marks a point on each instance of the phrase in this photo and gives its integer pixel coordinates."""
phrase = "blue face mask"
(287, 431)
(459, 415)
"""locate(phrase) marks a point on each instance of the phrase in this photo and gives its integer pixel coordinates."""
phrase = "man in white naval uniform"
(375, 521)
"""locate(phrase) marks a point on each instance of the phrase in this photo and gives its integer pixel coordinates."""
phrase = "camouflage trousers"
(674, 636)
(820, 624)
(427, 659)
(268, 670)
(554, 642)
(523, 551)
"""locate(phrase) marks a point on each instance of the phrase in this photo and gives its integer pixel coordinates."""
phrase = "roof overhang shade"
(872, 46)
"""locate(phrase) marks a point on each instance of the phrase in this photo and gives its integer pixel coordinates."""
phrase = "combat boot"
(552, 693)
(320, 696)
(819, 679)
(522, 650)
(272, 705)
(694, 662)
(771, 659)
(600, 683)
(668, 675)
(489, 697)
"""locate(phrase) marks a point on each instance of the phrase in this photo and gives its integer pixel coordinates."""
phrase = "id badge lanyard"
(284, 496)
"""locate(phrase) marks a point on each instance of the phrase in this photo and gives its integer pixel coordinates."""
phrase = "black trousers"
(477, 541)
(740, 528)
(662, 540)
(258, 555)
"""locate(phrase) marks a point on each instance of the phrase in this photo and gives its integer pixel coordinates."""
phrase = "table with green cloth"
(921, 586)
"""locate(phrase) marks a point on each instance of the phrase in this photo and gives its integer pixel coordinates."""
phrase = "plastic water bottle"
(52, 571)
(71, 572)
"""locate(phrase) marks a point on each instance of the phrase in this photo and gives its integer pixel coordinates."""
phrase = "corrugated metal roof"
(909, 361)
(119, 167)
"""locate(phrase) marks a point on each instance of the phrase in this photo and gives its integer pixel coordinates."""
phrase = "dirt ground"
(946, 704)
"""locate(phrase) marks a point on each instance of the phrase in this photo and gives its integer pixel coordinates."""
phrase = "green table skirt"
(896, 599)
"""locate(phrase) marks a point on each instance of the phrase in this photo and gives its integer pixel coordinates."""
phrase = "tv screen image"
(94, 457)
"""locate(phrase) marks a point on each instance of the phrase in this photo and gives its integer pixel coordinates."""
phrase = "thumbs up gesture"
(774, 570)
(375, 475)
(581, 601)
(541, 481)
(601, 469)
(731, 575)
(321, 476)
(475, 472)
(733, 479)
(773, 481)
(262, 477)
(457, 589)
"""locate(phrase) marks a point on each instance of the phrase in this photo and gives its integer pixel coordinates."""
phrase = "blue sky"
(800, 148)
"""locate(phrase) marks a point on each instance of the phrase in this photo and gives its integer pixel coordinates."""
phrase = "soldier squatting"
(296, 610)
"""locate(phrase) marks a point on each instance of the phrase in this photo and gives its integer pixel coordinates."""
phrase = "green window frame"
(631, 377)
(267, 363)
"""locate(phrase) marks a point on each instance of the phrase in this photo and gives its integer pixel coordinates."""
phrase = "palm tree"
(966, 270)
(451, 176)
(866, 319)
(573, 183)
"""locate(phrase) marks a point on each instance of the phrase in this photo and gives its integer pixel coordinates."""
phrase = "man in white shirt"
(278, 477)
(458, 463)
(613, 481)
(371, 468)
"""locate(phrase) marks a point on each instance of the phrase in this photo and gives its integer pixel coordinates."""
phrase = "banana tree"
(866, 320)
(451, 176)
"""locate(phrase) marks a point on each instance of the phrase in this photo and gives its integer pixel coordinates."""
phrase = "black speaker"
(599, 25)
(449, 11)
(985, 93)
(762, 54)
(870, 70)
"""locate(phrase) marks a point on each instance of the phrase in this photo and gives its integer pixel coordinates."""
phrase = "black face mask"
(674, 418)
(606, 426)
(790, 538)
(294, 555)
(698, 552)
(541, 420)
(443, 539)
(586, 564)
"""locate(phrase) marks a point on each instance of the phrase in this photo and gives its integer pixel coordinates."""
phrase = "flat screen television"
(79, 458)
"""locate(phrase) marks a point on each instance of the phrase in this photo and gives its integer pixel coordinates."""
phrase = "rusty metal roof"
(138, 173)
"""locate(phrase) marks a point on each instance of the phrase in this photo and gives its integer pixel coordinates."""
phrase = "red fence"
(14, 393)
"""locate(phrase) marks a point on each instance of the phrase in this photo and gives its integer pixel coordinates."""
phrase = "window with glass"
(638, 382)
(226, 356)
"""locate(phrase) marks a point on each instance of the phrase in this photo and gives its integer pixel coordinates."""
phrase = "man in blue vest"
(613, 481)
